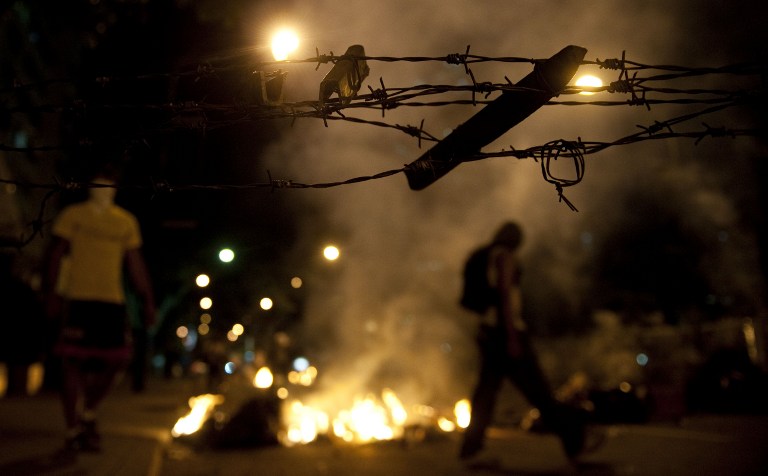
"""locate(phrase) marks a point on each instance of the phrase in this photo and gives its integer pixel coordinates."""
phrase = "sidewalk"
(134, 428)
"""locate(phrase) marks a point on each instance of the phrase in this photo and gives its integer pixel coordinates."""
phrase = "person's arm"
(511, 300)
(142, 284)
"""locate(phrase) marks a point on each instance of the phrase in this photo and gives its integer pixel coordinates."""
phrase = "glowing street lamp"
(331, 253)
(590, 82)
(226, 255)
(263, 378)
(202, 280)
(266, 303)
(284, 43)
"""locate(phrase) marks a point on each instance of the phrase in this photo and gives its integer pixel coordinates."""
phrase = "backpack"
(477, 294)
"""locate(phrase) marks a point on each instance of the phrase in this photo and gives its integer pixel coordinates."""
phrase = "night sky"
(666, 226)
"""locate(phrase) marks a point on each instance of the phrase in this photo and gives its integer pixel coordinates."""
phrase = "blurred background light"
(226, 255)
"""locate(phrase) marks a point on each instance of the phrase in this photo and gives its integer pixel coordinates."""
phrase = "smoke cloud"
(386, 315)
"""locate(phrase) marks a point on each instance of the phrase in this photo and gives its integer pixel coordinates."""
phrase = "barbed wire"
(543, 154)
(209, 69)
(192, 114)
(199, 116)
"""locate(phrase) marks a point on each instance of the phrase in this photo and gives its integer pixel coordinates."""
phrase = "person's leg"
(71, 382)
(71, 396)
(106, 335)
(483, 402)
(527, 375)
(101, 377)
(567, 422)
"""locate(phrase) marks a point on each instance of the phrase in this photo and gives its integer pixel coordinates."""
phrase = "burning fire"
(463, 413)
(370, 418)
(200, 409)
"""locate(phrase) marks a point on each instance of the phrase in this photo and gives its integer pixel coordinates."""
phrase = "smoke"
(387, 314)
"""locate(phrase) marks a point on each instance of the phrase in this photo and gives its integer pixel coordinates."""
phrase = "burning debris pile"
(264, 412)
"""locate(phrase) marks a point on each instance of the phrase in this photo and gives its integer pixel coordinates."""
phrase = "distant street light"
(284, 43)
(206, 303)
(202, 280)
(226, 255)
(266, 303)
(331, 253)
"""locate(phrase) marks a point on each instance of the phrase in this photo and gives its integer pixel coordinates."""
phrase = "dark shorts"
(95, 329)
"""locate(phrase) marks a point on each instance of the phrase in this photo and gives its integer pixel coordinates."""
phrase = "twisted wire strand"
(209, 116)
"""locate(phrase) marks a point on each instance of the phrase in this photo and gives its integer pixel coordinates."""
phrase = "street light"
(226, 255)
(284, 43)
(589, 81)
(331, 253)
(202, 280)
(266, 303)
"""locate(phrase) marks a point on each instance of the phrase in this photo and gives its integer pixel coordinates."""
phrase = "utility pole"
(546, 81)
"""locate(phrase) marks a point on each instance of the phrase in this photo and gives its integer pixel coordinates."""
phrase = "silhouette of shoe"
(573, 435)
(594, 438)
(481, 461)
(71, 445)
(89, 438)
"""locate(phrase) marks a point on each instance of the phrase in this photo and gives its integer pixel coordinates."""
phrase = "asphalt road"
(136, 439)
(700, 446)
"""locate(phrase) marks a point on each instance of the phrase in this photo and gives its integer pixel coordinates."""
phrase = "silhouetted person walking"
(492, 289)
(94, 242)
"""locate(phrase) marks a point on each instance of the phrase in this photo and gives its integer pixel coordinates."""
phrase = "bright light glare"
(462, 410)
(263, 378)
(200, 408)
(238, 329)
(284, 43)
(446, 425)
(300, 364)
(226, 255)
(206, 303)
(202, 280)
(331, 253)
(589, 81)
(303, 423)
(266, 303)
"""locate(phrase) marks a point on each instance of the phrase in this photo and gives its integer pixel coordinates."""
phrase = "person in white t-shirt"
(93, 243)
